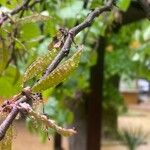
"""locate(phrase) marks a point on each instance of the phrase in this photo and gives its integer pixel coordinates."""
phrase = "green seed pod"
(39, 65)
(58, 74)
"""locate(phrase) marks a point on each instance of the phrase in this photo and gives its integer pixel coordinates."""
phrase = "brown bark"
(78, 142)
(95, 101)
(94, 120)
(58, 142)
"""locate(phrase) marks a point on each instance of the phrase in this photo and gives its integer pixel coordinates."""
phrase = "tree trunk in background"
(91, 128)
(78, 142)
(57, 142)
(95, 100)
(88, 113)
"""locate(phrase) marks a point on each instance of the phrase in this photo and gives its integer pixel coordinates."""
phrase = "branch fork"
(20, 103)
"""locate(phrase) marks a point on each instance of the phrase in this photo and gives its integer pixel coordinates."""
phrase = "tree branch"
(47, 122)
(7, 122)
(25, 5)
(73, 32)
(63, 52)
(9, 119)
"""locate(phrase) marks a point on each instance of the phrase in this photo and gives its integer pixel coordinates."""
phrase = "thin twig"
(4, 17)
(47, 122)
(25, 5)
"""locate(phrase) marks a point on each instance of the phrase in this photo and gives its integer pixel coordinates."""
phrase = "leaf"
(29, 31)
(38, 66)
(146, 34)
(71, 11)
(58, 74)
(3, 57)
(123, 4)
(7, 86)
(9, 4)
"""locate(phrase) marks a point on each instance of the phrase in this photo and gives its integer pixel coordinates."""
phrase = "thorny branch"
(63, 52)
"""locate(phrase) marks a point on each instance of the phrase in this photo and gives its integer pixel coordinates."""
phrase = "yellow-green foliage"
(39, 65)
(58, 74)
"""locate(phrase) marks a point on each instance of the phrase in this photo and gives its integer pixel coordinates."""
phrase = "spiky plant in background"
(132, 137)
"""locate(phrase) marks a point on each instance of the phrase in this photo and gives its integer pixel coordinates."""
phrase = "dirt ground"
(137, 116)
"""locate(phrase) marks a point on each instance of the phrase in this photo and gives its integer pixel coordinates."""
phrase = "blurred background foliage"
(27, 35)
